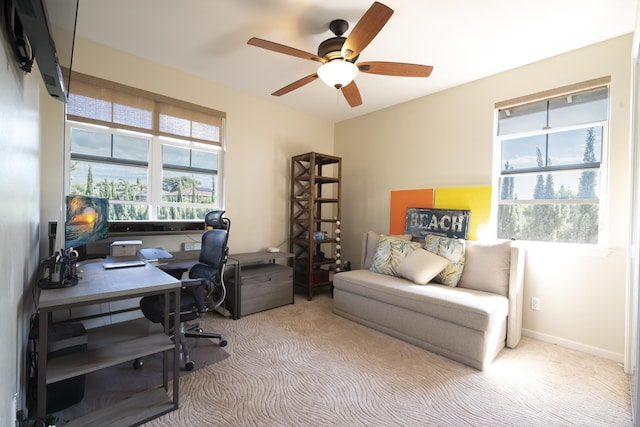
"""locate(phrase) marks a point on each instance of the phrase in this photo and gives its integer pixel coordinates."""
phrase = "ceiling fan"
(338, 56)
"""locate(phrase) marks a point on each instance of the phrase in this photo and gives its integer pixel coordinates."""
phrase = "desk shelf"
(112, 344)
(135, 410)
(99, 356)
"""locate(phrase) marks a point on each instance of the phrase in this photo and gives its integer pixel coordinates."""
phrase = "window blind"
(105, 103)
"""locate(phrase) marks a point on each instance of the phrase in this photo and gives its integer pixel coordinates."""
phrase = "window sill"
(565, 249)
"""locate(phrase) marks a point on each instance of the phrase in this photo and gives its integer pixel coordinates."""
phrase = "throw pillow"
(451, 249)
(372, 245)
(390, 251)
(421, 266)
(487, 266)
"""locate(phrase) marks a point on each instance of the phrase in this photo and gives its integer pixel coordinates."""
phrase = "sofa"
(469, 320)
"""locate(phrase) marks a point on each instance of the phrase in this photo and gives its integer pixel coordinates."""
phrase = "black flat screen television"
(32, 22)
(86, 220)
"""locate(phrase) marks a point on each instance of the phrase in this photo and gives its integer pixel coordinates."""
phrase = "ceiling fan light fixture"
(338, 73)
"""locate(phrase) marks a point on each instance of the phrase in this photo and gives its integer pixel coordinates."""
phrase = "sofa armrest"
(516, 291)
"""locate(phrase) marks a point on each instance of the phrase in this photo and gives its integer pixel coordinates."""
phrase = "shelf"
(111, 345)
(318, 179)
(315, 207)
(304, 262)
(314, 242)
(134, 410)
(83, 362)
(317, 199)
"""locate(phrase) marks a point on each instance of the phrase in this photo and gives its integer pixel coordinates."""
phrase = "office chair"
(204, 289)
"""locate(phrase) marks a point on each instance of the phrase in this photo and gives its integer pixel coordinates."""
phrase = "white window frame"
(603, 185)
(155, 167)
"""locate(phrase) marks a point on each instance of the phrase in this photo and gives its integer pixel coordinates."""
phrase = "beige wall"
(446, 140)
(19, 219)
(261, 138)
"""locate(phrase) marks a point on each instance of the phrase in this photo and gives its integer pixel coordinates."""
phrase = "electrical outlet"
(535, 303)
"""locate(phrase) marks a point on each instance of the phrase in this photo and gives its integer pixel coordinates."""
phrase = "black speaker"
(65, 338)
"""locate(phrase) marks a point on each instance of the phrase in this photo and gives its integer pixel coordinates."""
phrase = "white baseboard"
(616, 357)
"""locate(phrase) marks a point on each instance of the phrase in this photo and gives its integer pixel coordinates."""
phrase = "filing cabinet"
(258, 282)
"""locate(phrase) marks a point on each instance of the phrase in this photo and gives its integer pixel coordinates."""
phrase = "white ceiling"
(464, 40)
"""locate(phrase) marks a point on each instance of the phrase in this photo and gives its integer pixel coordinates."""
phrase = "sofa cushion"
(474, 309)
(451, 249)
(420, 266)
(487, 266)
(390, 251)
(372, 245)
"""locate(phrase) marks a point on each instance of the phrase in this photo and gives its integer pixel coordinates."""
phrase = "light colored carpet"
(301, 365)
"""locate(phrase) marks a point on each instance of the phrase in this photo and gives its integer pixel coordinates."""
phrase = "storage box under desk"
(262, 287)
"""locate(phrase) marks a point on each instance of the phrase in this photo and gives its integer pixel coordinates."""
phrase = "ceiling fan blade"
(295, 85)
(366, 29)
(280, 48)
(352, 94)
(395, 69)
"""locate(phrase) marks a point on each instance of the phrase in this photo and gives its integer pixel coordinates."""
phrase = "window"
(155, 158)
(551, 173)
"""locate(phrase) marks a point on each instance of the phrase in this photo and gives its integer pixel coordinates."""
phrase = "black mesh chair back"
(203, 290)
(213, 257)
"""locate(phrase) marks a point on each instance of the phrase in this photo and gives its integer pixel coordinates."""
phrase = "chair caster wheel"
(199, 330)
(138, 364)
(189, 366)
(223, 343)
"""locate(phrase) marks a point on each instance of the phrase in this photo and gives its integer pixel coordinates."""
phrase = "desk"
(97, 285)
(262, 289)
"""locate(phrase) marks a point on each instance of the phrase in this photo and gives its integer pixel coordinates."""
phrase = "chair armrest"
(198, 289)
(193, 283)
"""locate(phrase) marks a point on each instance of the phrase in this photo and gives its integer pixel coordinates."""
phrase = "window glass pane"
(130, 148)
(570, 223)
(522, 153)
(204, 160)
(110, 180)
(92, 108)
(90, 143)
(132, 116)
(522, 119)
(176, 156)
(175, 125)
(575, 147)
(184, 187)
(181, 213)
(574, 184)
(128, 212)
(576, 109)
(550, 180)
(205, 131)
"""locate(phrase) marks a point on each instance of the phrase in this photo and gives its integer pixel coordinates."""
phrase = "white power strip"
(191, 246)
